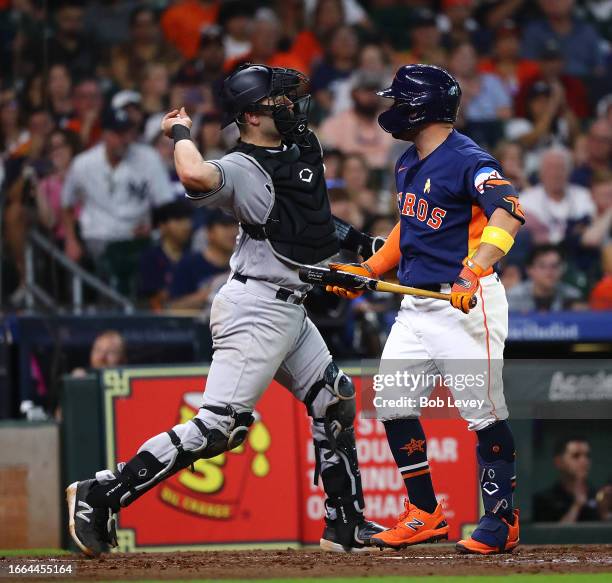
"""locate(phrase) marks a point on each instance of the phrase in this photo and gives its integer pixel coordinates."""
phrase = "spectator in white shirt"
(117, 183)
(554, 205)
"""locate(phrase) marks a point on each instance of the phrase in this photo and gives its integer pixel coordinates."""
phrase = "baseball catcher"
(272, 182)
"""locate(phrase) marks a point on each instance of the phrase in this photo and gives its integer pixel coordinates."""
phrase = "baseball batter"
(458, 217)
(273, 183)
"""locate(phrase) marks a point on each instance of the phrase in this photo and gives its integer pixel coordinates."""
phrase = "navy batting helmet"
(246, 87)
(422, 94)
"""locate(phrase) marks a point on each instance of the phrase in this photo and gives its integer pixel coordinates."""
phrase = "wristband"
(498, 238)
(369, 269)
(473, 266)
(180, 132)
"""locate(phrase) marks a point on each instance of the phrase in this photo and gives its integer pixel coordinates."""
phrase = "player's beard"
(269, 129)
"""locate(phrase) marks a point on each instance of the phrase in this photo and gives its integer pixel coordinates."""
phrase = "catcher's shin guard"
(331, 404)
(164, 455)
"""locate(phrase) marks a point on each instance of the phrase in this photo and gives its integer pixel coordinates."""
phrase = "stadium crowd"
(84, 86)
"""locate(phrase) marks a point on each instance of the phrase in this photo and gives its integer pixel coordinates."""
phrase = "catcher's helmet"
(422, 94)
(249, 84)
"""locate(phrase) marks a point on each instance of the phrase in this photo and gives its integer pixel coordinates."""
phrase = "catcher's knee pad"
(332, 398)
(228, 421)
(331, 401)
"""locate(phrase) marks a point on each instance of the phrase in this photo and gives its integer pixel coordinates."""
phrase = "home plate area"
(425, 560)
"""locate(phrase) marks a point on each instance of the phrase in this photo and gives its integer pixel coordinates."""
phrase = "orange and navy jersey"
(445, 201)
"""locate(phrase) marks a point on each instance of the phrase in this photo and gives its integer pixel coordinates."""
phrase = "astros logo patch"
(414, 445)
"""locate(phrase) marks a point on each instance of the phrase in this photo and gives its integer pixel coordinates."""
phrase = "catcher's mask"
(244, 90)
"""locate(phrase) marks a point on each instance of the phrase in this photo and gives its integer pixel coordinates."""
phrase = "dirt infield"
(424, 560)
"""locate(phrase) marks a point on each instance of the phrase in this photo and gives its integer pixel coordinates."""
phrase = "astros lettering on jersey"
(445, 201)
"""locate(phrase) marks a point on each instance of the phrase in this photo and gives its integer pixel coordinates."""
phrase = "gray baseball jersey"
(116, 200)
(246, 191)
(256, 337)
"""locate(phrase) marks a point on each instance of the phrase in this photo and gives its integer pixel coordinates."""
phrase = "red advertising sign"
(261, 492)
(246, 495)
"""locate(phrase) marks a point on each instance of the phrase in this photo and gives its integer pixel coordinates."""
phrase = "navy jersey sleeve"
(489, 188)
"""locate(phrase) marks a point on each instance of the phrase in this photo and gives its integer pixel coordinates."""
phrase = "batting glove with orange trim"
(356, 269)
(466, 285)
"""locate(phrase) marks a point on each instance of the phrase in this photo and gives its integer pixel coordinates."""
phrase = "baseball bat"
(324, 276)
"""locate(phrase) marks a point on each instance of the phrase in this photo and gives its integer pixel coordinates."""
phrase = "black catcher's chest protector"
(300, 227)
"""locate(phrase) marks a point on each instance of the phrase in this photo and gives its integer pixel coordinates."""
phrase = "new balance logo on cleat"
(414, 526)
(87, 509)
(92, 529)
(414, 523)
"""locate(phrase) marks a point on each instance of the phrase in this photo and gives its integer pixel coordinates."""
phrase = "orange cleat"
(414, 526)
(493, 536)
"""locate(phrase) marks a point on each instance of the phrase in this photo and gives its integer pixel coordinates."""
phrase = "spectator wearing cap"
(130, 102)
(265, 45)
(543, 290)
(356, 130)
(577, 39)
(87, 104)
(505, 60)
(554, 206)
(597, 166)
(199, 274)
(549, 122)
(146, 44)
(183, 22)
(117, 183)
(157, 264)
(425, 41)
(551, 65)
(235, 18)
